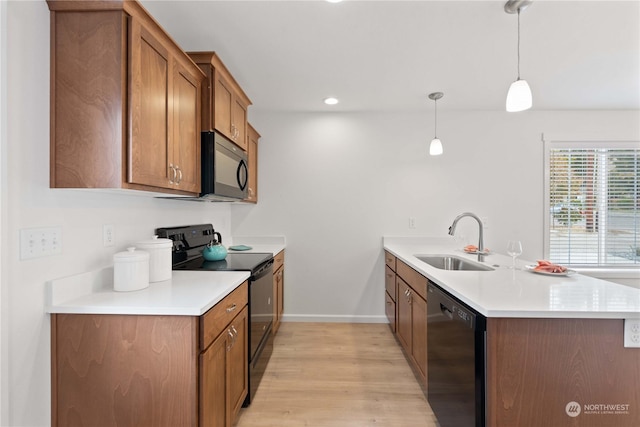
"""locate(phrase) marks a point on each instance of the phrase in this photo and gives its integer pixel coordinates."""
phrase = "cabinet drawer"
(390, 260)
(414, 279)
(278, 260)
(214, 321)
(390, 282)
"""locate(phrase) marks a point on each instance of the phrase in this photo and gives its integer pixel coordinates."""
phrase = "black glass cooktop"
(190, 240)
(233, 262)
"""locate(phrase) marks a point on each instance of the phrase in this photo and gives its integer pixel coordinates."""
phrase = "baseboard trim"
(330, 318)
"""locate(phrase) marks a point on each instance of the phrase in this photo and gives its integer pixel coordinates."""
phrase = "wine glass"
(514, 249)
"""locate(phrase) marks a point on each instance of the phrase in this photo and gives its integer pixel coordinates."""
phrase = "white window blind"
(592, 204)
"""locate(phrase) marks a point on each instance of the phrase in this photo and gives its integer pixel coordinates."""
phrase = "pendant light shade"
(519, 97)
(435, 148)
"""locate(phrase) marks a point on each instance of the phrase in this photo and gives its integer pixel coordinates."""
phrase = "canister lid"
(156, 243)
(131, 255)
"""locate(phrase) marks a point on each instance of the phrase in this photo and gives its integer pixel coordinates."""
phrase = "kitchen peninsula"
(554, 349)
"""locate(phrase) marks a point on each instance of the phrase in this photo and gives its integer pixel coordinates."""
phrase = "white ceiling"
(389, 55)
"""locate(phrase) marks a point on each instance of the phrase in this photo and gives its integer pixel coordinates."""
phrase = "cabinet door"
(239, 123)
(186, 128)
(223, 98)
(390, 311)
(237, 366)
(404, 323)
(213, 383)
(419, 334)
(278, 295)
(149, 148)
(252, 160)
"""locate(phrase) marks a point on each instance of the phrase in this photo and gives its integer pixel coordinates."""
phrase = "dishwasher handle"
(450, 308)
(446, 311)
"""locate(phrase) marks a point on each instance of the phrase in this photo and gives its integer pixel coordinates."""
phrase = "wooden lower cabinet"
(412, 327)
(561, 373)
(409, 319)
(278, 290)
(150, 370)
(390, 296)
(539, 371)
(223, 375)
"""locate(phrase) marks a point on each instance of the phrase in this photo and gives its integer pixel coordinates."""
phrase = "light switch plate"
(40, 242)
(108, 234)
(632, 333)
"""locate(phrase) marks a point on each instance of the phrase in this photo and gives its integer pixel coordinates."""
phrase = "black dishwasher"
(456, 341)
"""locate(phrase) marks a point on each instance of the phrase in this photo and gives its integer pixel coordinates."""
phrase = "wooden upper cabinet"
(125, 101)
(224, 103)
(149, 143)
(186, 127)
(252, 159)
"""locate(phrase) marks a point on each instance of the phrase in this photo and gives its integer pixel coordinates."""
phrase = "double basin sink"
(452, 262)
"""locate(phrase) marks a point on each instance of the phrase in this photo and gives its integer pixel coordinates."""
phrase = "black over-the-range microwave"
(224, 169)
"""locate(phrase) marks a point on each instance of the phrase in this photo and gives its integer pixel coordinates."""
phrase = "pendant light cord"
(435, 129)
(518, 43)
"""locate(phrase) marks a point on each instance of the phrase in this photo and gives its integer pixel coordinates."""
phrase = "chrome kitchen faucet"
(452, 229)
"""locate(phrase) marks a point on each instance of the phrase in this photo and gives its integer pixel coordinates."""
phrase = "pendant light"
(435, 148)
(519, 96)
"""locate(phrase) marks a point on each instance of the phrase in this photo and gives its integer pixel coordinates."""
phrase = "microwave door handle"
(242, 172)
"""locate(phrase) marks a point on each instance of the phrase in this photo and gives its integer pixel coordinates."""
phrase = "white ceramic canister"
(130, 270)
(159, 258)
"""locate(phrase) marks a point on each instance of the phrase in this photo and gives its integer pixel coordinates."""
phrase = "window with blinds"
(593, 204)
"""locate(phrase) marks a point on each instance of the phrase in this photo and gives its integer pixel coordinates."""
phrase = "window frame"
(586, 142)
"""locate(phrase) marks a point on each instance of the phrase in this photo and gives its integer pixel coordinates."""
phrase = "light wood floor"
(337, 374)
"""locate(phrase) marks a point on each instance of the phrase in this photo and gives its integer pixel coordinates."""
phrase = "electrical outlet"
(412, 222)
(40, 242)
(632, 333)
(108, 235)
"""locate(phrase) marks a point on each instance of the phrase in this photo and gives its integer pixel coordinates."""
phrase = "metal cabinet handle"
(179, 180)
(231, 340)
(231, 308)
(235, 335)
(172, 178)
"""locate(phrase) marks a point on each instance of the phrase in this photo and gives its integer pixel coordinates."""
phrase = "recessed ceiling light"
(334, 1)
(331, 100)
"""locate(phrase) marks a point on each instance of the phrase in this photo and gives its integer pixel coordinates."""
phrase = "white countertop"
(259, 244)
(505, 292)
(188, 293)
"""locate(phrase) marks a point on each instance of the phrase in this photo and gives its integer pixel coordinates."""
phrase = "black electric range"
(188, 243)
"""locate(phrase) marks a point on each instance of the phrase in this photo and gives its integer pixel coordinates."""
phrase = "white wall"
(3, 205)
(28, 202)
(334, 184)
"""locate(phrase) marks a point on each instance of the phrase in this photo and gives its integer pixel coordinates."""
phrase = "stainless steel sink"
(451, 262)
